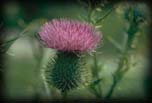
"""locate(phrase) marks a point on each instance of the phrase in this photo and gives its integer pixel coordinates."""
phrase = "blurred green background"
(23, 59)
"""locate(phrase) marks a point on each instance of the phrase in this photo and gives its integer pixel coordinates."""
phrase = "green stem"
(95, 87)
(64, 95)
(118, 74)
(95, 69)
(97, 76)
(103, 17)
(114, 43)
(125, 56)
(111, 90)
(7, 44)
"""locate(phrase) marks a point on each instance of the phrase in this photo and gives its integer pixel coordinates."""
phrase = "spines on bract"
(66, 72)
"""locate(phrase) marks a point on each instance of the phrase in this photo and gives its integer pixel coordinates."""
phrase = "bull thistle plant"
(73, 38)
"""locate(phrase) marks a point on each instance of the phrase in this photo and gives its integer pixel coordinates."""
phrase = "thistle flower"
(69, 35)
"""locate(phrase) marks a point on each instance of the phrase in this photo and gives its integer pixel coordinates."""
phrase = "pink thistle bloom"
(69, 35)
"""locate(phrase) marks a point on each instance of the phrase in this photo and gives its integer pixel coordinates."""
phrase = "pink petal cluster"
(69, 35)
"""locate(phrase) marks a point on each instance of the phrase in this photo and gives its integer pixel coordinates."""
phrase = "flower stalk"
(124, 65)
(95, 86)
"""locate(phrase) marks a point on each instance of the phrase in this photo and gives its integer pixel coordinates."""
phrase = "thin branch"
(117, 46)
(99, 20)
